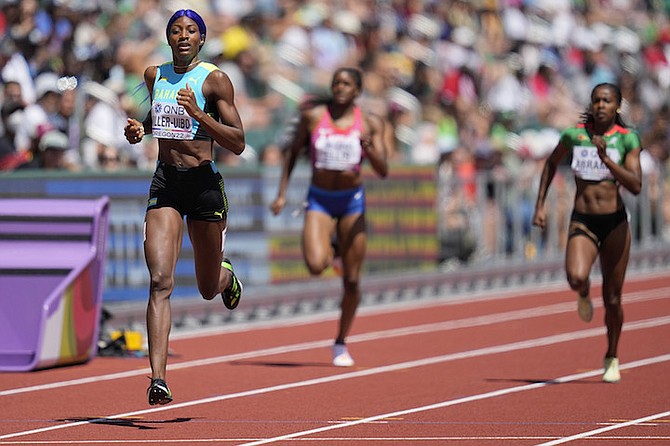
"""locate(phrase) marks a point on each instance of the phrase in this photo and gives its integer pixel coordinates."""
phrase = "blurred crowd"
(469, 86)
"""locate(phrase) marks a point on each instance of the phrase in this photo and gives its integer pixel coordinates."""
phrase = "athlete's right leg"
(162, 245)
(316, 241)
(581, 252)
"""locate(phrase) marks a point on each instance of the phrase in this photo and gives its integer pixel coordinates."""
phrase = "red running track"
(514, 367)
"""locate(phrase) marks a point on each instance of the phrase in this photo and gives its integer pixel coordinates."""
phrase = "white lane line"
(606, 429)
(431, 302)
(504, 348)
(468, 399)
(470, 322)
(437, 301)
(440, 440)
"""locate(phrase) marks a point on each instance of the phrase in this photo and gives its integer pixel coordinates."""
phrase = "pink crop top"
(335, 148)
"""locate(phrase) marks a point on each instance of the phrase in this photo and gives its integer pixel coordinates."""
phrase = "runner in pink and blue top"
(340, 136)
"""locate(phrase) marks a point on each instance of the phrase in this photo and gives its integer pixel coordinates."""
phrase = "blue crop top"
(169, 120)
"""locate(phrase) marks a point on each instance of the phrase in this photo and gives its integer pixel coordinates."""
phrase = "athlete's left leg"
(207, 239)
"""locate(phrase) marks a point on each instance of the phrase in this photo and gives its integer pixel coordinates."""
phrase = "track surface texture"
(494, 367)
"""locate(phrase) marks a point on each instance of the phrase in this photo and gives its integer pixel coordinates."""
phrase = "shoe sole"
(230, 304)
(227, 302)
(158, 397)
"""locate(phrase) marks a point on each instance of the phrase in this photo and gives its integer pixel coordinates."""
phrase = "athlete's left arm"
(629, 175)
(218, 89)
(372, 142)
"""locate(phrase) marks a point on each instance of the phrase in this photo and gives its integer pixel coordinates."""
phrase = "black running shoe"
(159, 392)
(231, 295)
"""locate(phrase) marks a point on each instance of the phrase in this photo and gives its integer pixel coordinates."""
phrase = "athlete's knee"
(611, 299)
(161, 284)
(577, 280)
(316, 267)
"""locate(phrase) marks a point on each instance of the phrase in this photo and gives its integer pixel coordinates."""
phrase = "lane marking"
(328, 439)
(470, 322)
(440, 300)
(504, 348)
(605, 429)
(481, 396)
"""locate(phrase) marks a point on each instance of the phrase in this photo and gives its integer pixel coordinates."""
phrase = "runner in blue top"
(192, 105)
(605, 155)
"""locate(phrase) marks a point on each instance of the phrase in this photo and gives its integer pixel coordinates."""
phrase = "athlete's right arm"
(548, 172)
(135, 130)
(149, 80)
(291, 152)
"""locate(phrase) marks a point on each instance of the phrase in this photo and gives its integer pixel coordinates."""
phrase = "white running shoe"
(612, 374)
(585, 308)
(341, 356)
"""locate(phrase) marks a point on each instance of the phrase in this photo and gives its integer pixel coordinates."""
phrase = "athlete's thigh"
(207, 241)
(580, 253)
(163, 231)
(316, 233)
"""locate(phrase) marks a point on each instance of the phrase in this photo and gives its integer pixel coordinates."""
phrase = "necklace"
(185, 67)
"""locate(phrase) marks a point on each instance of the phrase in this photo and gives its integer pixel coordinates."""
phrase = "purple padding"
(21, 302)
(42, 255)
(49, 208)
(32, 271)
(63, 228)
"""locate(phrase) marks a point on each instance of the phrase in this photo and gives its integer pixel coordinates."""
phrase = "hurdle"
(52, 254)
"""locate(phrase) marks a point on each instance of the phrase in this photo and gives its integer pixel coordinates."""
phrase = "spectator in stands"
(340, 137)
(51, 153)
(110, 159)
(192, 106)
(45, 110)
(15, 67)
(12, 93)
(605, 156)
(12, 115)
(103, 125)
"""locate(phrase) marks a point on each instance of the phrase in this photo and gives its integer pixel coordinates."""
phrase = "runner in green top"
(604, 156)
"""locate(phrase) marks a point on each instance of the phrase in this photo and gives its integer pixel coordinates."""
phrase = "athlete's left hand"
(601, 145)
(366, 142)
(186, 98)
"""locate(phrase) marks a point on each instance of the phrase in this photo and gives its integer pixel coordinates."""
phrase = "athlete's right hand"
(278, 205)
(134, 131)
(540, 218)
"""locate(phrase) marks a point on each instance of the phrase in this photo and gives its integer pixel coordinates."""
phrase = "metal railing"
(477, 223)
(485, 217)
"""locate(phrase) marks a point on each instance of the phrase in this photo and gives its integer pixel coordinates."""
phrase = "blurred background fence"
(420, 219)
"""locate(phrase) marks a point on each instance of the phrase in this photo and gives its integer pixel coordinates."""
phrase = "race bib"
(171, 121)
(338, 152)
(587, 165)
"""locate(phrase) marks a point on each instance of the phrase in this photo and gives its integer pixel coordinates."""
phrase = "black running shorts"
(196, 192)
